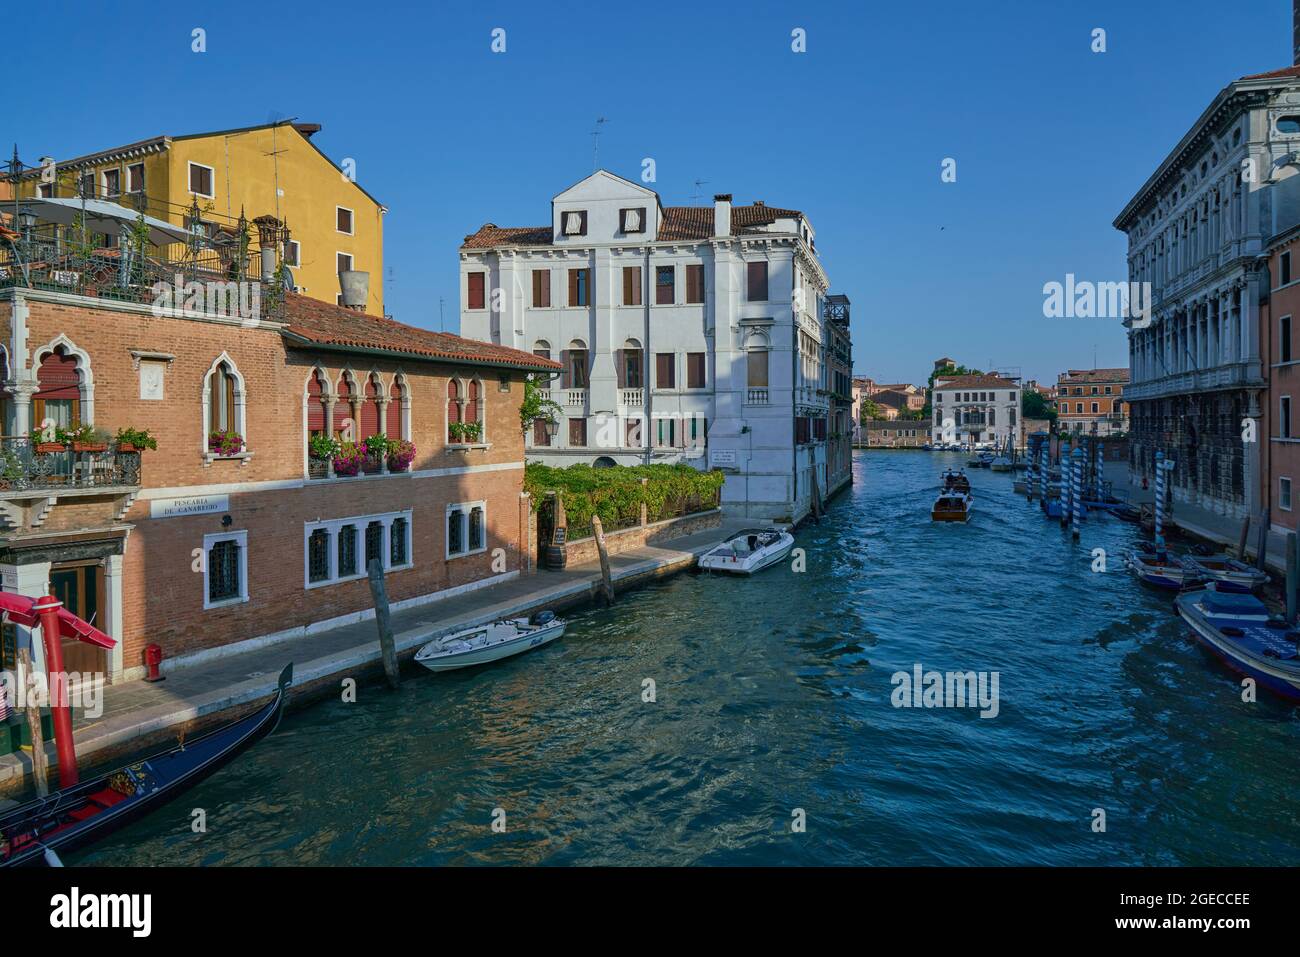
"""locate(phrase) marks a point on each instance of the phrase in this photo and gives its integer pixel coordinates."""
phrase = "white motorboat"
(749, 551)
(490, 642)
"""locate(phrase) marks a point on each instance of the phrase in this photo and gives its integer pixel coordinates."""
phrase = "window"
(374, 542)
(318, 556)
(756, 369)
(1094, 408)
(1284, 419)
(665, 369)
(695, 282)
(1078, 407)
(632, 433)
(665, 281)
(135, 178)
(578, 433)
(575, 369)
(541, 288)
(632, 220)
(695, 370)
(1284, 493)
(1107, 391)
(1285, 124)
(225, 573)
(343, 219)
(347, 551)
(477, 290)
(332, 546)
(201, 180)
(757, 281)
(633, 363)
(293, 253)
(575, 222)
(1284, 339)
(466, 529)
(112, 182)
(344, 262)
(221, 399)
(631, 285)
(86, 185)
(540, 436)
(454, 396)
(666, 433)
(45, 190)
(579, 282)
(397, 541)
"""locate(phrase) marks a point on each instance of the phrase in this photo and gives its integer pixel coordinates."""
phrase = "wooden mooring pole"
(1261, 541)
(1292, 576)
(1241, 539)
(387, 648)
(40, 763)
(606, 580)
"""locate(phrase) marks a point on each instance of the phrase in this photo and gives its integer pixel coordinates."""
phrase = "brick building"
(1090, 401)
(895, 433)
(199, 548)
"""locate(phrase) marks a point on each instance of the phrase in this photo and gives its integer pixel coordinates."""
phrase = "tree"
(536, 406)
(1033, 405)
(871, 410)
(946, 372)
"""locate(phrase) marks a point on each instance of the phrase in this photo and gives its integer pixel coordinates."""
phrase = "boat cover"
(1231, 603)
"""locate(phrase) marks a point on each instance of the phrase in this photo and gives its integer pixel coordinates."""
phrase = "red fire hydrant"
(153, 656)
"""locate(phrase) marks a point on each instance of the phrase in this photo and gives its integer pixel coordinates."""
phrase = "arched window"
(474, 402)
(629, 364)
(453, 411)
(575, 362)
(61, 383)
(398, 418)
(344, 425)
(370, 423)
(542, 348)
(6, 407)
(317, 393)
(223, 397)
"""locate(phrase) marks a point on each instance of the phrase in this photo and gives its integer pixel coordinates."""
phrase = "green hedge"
(616, 493)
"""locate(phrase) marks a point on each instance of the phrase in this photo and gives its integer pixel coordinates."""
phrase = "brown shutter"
(695, 283)
(620, 368)
(757, 281)
(537, 287)
(476, 288)
(573, 287)
(627, 286)
(566, 376)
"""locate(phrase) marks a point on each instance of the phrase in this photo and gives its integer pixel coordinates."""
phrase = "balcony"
(1233, 375)
(631, 398)
(34, 476)
(574, 398)
(756, 397)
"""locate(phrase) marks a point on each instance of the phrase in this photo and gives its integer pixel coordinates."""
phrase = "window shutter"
(566, 376)
(628, 298)
(620, 368)
(573, 287)
(757, 281)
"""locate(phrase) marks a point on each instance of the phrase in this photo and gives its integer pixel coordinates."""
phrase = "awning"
(101, 216)
(21, 610)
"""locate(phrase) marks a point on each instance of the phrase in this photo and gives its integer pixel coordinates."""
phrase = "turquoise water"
(773, 694)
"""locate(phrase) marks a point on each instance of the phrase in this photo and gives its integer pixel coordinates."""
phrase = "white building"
(970, 409)
(687, 333)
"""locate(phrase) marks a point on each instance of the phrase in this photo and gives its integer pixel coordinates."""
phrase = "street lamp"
(27, 223)
(552, 430)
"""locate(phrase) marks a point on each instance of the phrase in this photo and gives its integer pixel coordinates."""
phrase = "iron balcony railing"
(226, 277)
(37, 466)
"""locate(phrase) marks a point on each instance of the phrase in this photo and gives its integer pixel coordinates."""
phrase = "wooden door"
(81, 589)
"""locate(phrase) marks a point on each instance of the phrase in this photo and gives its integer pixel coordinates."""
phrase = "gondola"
(86, 812)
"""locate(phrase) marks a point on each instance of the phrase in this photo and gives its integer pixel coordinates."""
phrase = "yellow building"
(274, 169)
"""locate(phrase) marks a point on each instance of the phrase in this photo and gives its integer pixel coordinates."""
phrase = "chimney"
(355, 285)
(722, 211)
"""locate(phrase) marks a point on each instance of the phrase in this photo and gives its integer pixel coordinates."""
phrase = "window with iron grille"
(374, 542)
(397, 542)
(318, 555)
(347, 551)
(475, 528)
(225, 570)
(466, 528)
(455, 543)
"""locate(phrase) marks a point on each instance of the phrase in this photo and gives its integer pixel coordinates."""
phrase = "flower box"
(126, 447)
(45, 448)
(90, 446)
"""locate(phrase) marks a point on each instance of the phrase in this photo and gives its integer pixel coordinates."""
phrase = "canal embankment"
(137, 715)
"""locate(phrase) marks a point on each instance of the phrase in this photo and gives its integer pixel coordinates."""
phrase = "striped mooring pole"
(1076, 493)
(1044, 450)
(1067, 487)
(1160, 502)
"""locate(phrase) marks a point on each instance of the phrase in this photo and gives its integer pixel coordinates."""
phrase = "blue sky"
(1050, 138)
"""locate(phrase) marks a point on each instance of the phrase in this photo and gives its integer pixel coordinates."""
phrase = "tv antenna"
(698, 183)
(595, 143)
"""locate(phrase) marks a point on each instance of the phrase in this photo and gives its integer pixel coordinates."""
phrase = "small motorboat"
(1230, 574)
(955, 482)
(1239, 630)
(1000, 464)
(749, 551)
(491, 642)
(36, 832)
(951, 506)
(1161, 569)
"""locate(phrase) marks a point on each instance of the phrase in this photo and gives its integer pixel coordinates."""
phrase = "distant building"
(975, 408)
(900, 399)
(895, 434)
(1090, 401)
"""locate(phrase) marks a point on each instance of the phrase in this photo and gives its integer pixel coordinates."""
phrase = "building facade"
(895, 433)
(334, 225)
(201, 544)
(974, 409)
(694, 334)
(1196, 231)
(1090, 401)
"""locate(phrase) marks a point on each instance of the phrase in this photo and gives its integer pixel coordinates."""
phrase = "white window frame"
(332, 526)
(1284, 402)
(1284, 492)
(464, 508)
(351, 262)
(239, 412)
(352, 221)
(121, 181)
(138, 189)
(189, 179)
(208, 541)
(297, 253)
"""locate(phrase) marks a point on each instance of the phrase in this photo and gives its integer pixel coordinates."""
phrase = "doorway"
(80, 586)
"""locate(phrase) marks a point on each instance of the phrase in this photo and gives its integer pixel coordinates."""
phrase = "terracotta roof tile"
(1275, 74)
(974, 382)
(490, 234)
(1096, 375)
(324, 324)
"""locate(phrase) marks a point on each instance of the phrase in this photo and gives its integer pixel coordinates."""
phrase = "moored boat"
(74, 817)
(1161, 568)
(1229, 573)
(490, 642)
(1238, 629)
(951, 506)
(748, 551)
(1000, 464)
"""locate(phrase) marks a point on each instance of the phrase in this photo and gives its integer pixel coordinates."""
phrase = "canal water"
(772, 703)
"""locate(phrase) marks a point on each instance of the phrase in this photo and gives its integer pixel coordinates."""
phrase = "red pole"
(48, 607)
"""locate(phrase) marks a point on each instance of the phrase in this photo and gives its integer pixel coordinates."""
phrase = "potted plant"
(225, 443)
(400, 455)
(376, 447)
(83, 438)
(135, 440)
(45, 441)
(349, 459)
(464, 432)
(11, 467)
(322, 447)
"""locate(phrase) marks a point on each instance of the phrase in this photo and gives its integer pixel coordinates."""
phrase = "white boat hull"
(723, 559)
(441, 654)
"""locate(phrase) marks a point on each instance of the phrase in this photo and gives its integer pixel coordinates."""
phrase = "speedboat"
(1161, 568)
(1230, 574)
(749, 551)
(1000, 464)
(491, 642)
(951, 506)
(955, 482)
(1239, 630)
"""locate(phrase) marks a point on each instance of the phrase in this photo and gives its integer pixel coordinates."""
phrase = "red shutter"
(393, 425)
(476, 290)
(315, 406)
(343, 408)
(471, 406)
(369, 424)
(57, 377)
